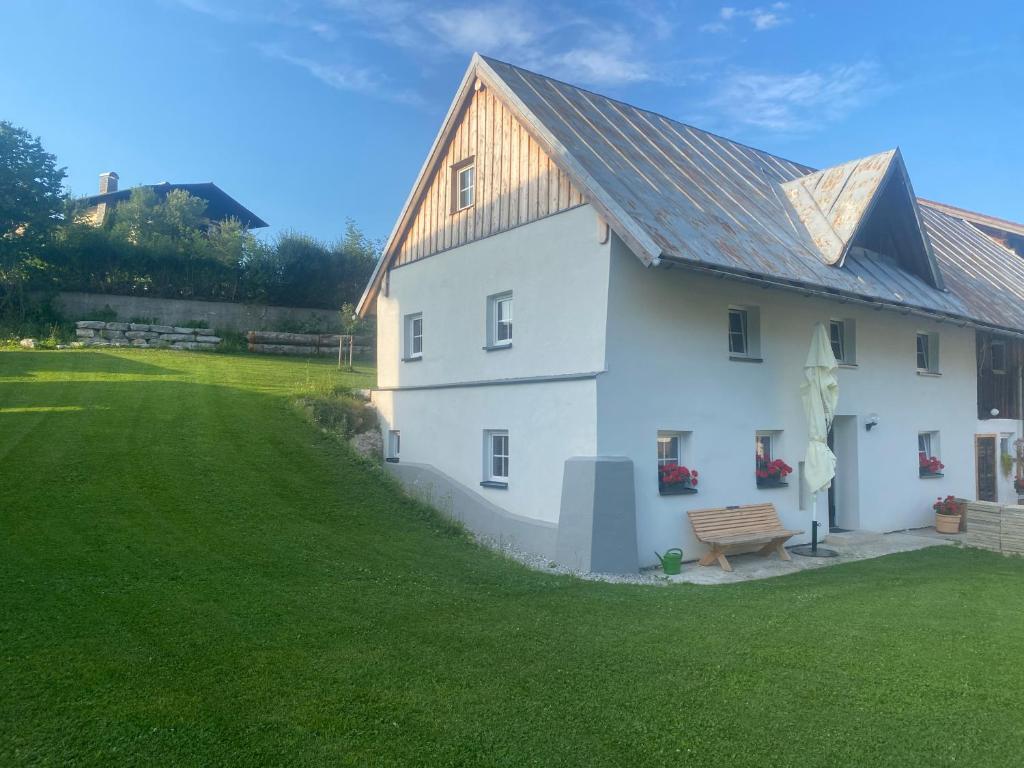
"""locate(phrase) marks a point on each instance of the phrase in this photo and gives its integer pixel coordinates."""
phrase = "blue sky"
(312, 111)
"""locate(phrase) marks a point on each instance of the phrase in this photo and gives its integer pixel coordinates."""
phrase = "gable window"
(394, 446)
(414, 336)
(499, 321)
(841, 334)
(496, 458)
(998, 357)
(745, 334)
(927, 352)
(463, 185)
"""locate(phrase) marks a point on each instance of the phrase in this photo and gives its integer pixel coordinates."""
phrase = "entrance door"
(985, 466)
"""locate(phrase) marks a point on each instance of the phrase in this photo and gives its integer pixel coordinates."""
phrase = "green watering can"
(671, 561)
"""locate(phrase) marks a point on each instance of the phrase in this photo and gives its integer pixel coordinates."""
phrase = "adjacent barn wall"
(516, 183)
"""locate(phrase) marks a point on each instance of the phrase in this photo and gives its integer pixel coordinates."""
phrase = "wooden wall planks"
(516, 183)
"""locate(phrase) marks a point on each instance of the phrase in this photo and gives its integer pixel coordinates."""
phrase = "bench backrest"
(751, 518)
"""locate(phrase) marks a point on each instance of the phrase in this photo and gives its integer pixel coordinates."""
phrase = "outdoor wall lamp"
(871, 421)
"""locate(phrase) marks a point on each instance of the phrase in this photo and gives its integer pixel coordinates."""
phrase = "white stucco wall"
(558, 273)
(669, 369)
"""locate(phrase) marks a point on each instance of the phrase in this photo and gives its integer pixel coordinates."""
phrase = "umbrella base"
(808, 550)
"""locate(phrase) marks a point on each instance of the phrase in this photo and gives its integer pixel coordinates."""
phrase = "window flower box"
(929, 466)
(676, 480)
(771, 473)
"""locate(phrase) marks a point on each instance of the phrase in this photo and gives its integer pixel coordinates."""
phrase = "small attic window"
(463, 185)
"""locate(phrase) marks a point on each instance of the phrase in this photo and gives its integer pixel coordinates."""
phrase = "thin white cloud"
(801, 102)
(760, 18)
(343, 77)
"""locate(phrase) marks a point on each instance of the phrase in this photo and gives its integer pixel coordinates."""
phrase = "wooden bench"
(731, 530)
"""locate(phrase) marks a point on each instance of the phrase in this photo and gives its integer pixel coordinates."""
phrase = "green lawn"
(191, 574)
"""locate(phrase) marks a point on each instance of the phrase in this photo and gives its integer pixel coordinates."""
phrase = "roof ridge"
(491, 59)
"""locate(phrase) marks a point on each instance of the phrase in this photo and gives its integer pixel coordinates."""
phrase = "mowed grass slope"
(191, 574)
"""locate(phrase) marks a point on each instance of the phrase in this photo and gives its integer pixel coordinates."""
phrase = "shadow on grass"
(26, 364)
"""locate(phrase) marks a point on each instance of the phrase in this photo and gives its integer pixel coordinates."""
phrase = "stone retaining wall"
(96, 333)
(227, 316)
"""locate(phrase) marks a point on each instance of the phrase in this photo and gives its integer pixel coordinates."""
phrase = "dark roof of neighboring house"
(679, 195)
(219, 204)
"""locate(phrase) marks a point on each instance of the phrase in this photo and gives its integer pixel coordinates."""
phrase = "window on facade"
(928, 352)
(668, 449)
(463, 185)
(744, 333)
(414, 336)
(497, 458)
(928, 453)
(738, 332)
(998, 351)
(763, 447)
(841, 334)
(924, 444)
(499, 320)
(394, 445)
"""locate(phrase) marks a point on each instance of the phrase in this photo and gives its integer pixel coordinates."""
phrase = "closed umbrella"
(820, 394)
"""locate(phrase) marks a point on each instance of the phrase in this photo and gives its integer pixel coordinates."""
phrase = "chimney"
(108, 182)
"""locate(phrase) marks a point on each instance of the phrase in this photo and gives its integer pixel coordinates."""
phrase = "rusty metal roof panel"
(705, 199)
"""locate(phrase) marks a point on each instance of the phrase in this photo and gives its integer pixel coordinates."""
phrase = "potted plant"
(675, 479)
(947, 515)
(929, 466)
(771, 474)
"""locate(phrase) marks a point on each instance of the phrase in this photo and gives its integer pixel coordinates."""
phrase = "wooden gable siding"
(516, 182)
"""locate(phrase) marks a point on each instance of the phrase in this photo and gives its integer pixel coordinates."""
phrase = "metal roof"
(715, 203)
(220, 205)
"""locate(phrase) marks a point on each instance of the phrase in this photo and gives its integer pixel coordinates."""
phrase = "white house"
(579, 291)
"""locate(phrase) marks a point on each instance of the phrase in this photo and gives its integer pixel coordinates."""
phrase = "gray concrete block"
(597, 522)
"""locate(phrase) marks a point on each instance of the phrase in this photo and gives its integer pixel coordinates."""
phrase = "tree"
(31, 204)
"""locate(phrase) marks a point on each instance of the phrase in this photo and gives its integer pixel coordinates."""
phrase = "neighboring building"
(219, 204)
(576, 278)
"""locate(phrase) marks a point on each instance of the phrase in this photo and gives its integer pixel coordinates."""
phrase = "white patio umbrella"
(820, 395)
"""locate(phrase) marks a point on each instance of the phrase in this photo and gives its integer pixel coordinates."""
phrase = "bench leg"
(708, 558)
(722, 561)
(778, 544)
(767, 549)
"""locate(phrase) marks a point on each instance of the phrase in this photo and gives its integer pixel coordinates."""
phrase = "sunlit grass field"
(193, 574)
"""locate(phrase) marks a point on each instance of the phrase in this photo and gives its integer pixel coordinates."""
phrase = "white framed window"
(843, 338)
(927, 352)
(738, 339)
(414, 336)
(668, 449)
(998, 353)
(744, 333)
(496, 457)
(924, 445)
(499, 320)
(929, 453)
(394, 445)
(463, 185)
